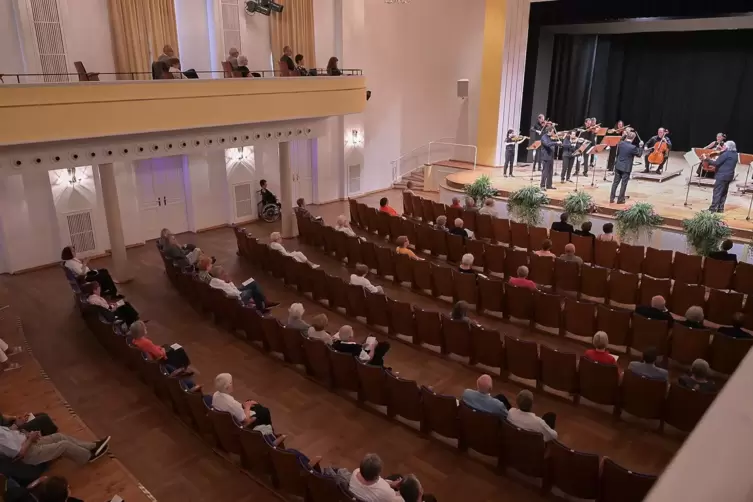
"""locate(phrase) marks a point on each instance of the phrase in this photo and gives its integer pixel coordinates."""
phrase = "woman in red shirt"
(599, 352)
(385, 208)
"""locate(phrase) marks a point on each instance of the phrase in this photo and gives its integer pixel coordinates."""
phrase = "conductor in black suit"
(537, 130)
(623, 166)
(546, 151)
(725, 165)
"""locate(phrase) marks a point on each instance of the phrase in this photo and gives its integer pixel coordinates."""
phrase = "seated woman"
(275, 242)
(599, 353)
(81, 270)
(441, 223)
(693, 317)
(371, 351)
(359, 279)
(318, 330)
(402, 248)
(295, 319)
(546, 249)
(175, 361)
(608, 235)
(5, 353)
(460, 312)
(301, 210)
(112, 312)
(343, 226)
(247, 293)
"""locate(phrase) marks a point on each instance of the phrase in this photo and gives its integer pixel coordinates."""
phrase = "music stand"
(594, 151)
(747, 158)
(535, 147)
(610, 142)
(602, 131)
(693, 158)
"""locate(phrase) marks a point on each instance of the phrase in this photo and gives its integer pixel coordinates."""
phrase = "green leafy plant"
(579, 205)
(481, 189)
(637, 220)
(525, 205)
(705, 231)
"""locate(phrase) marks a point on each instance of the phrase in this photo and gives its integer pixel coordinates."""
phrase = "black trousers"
(720, 196)
(102, 277)
(621, 178)
(505, 401)
(547, 172)
(537, 159)
(380, 351)
(612, 158)
(127, 314)
(550, 418)
(661, 166)
(567, 167)
(509, 157)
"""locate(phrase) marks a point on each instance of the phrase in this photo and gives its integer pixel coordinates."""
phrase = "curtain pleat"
(162, 25)
(294, 27)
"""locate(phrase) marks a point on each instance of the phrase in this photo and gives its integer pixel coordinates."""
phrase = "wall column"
(288, 229)
(121, 270)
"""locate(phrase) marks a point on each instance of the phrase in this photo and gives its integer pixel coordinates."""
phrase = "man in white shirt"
(33, 449)
(243, 414)
(367, 484)
(250, 290)
(359, 279)
(275, 242)
(523, 417)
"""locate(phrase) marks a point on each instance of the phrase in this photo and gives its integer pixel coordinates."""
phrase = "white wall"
(11, 60)
(255, 41)
(86, 26)
(326, 36)
(193, 35)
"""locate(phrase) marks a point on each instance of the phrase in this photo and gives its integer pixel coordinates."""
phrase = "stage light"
(254, 6)
(273, 6)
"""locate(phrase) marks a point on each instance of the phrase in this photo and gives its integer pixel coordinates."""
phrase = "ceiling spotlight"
(274, 6)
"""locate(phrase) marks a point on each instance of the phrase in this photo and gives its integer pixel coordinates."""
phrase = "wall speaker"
(463, 88)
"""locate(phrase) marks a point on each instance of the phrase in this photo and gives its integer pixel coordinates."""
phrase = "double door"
(301, 166)
(162, 196)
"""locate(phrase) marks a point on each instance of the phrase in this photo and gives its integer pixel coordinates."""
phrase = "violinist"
(725, 165)
(509, 150)
(547, 158)
(588, 134)
(661, 136)
(536, 132)
(569, 146)
(619, 128)
(705, 170)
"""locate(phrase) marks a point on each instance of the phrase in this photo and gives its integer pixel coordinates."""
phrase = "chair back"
(686, 268)
(271, 330)
(594, 281)
(649, 333)
(385, 263)
(227, 69)
(605, 254)
(354, 250)
(494, 258)
(478, 249)
(438, 209)
(574, 472)
(598, 382)
(479, 431)
(436, 240)
(631, 258)
(559, 241)
(579, 317)
(658, 263)
(344, 375)
(541, 270)
(321, 488)
(383, 224)
(547, 310)
(317, 357)
(292, 340)
(718, 273)
(536, 237)
(372, 382)
(226, 431)
(623, 287)
(200, 415)
(469, 219)
(288, 472)
(566, 275)
(442, 283)
(440, 414)
(486, 347)
(743, 279)
(642, 396)
(689, 344)
(584, 247)
(403, 268)
(519, 235)
(457, 336)
(455, 247)
(82, 75)
(723, 305)
(501, 229)
(514, 258)
(522, 358)
(337, 292)
(621, 485)
(686, 295)
(355, 217)
(428, 328)
(615, 322)
(377, 313)
(402, 320)
(727, 353)
(465, 287)
(519, 302)
(484, 229)
(523, 450)
(559, 370)
(368, 255)
(356, 295)
(651, 287)
(403, 398)
(491, 295)
(255, 450)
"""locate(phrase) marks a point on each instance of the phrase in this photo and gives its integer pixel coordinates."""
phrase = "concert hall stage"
(668, 196)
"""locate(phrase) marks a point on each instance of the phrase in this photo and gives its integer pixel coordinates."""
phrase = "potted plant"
(705, 231)
(481, 189)
(637, 221)
(579, 205)
(525, 205)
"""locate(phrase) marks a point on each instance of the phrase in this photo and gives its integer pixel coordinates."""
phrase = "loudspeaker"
(463, 88)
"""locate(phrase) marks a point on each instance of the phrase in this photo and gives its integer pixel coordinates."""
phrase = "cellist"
(661, 135)
(717, 145)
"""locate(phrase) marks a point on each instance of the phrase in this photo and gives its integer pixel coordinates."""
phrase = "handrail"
(475, 150)
(396, 174)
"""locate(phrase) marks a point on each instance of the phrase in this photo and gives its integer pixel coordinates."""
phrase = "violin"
(518, 138)
(705, 165)
(659, 150)
(618, 130)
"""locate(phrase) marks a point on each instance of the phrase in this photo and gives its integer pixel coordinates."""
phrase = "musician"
(509, 151)
(547, 158)
(619, 128)
(536, 132)
(725, 165)
(660, 134)
(716, 145)
(626, 152)
(569, 146)
(588, 134)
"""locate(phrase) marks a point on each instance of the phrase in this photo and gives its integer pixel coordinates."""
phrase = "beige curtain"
(140, 29)
(294, 27)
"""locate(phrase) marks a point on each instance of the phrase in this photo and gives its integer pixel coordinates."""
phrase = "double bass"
(659, 150)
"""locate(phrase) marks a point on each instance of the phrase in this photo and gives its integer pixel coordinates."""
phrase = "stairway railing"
(435, 151)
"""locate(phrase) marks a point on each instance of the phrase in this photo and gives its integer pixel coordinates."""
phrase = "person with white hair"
(441, 223)
(359, 279)
(249, 290)
(318, 329)
(275, 242)
(458, 229)
(344, 226)
(250, 413)
(368, 485)
(295, 318)
(243, 66)
(232, 57)
(599, 353)
(694, 317)
(524, 417)
(488, 208)
(522, 280)
(698, 379)
(456, 203)
(466, 264)
(725, 165)
(657, 310)
(482, 400)
(470, 204)
(343, 342)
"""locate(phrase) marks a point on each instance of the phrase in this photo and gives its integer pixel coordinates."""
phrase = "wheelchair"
(269, 212)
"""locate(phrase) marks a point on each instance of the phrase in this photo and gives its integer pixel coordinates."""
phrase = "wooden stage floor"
(667, 197)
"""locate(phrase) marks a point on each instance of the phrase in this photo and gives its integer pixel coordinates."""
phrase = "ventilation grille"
(244, 204)
(49, 35)
(231, 26)
(354, 179)
(81, 231)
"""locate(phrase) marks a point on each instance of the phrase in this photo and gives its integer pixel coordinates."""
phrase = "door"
(301, 167)
(162, 199)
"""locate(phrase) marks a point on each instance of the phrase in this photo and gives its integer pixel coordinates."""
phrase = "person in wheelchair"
(269, 206)
(267, 197)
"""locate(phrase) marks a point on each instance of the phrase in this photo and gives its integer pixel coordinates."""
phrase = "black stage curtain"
(696, 84)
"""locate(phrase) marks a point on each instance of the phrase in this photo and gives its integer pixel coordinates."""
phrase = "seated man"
(693, 317)
(33, 449)
(367, 484)
(458, 229)
(344, 226)
(599, 353)
(724, 254)
(267, 197)
(301, 210)
(456, 202)
(249, 290)
(384, 207)
(343, 342)
(736, 330)
(488, 208)
(698, 379)
(470, 204)
(175, 361)
(249, 414)
(482, 400)
(402, 248)
(112, 312)
(295, 318)
(522, 279)
(359, 279)
(585, 230)
(441, 223)
(546, 249)
(183, 256)
(658, 310)
(526, 419)
(409, 188)
(275, 242)
(466, 264)
(563, 225)
(647, 367)
(570, 255)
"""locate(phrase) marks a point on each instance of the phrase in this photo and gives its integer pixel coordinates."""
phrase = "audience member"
(267, 196)
(402, 248)
(384, 207)
(249, 414)
(301, 210)
(488, 208)
(482, 400)
(300, 67)
(599, 353)
(174, 360)
(54, 489)
(243, 66)
(174, 68)
(411, 489)
(546, 249)
(585, 230)
(647, 366)
(295, 318)
(275, 242)
(318, 330)
(5, 353)
(460, 311)
(736, 330)
(458, 229)
(232, 57)
(287, 66)
(112, 312)
(470, 204)
(249, 290)
(332, 69)
(369, 352)
(698, 379)
(456, 202)
(570, 255)
(359, 279)
(343, 225)
(167, 53)
(441, 223)
(466, 264)
(367, 485)
(693, 317)
(563, 225)
(32, 448)
(80, 269)
(724, 254)
(522, 280)
(409, 188)
(608, 235)
(161, 70)
(183, 256)
(524, 417)
(658, 310)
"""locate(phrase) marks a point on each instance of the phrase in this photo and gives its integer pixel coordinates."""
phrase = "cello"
(659, 150)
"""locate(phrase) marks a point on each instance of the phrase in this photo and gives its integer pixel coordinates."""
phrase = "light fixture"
(240, 154)
(72, 179)
(354, 139)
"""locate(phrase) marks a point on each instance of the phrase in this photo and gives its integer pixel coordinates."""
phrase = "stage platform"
(667, 193)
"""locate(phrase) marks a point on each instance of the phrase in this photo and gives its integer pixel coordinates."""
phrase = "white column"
(121, 269)
(286, 192)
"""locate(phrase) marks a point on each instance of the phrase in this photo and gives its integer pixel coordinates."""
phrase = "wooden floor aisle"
(168, 460)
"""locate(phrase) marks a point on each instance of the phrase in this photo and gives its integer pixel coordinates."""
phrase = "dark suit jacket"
(650, 312)
(723, 256)
(734, 332)
(725, 166)
(626, 152)
(547, 148)
(562, 227)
